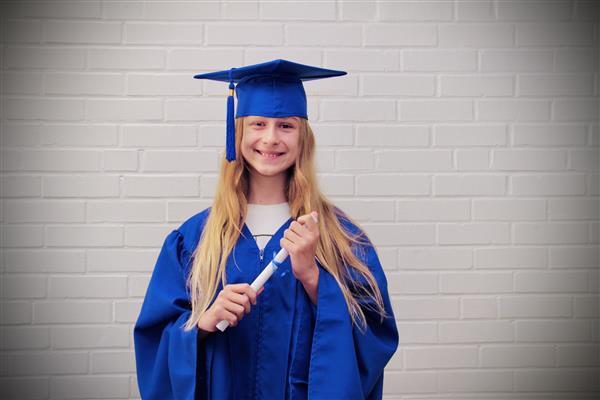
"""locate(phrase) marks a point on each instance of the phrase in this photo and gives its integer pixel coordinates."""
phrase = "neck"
(267, 189)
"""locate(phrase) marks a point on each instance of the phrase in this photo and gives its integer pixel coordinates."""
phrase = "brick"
(409, 382)
(432, 60)
(83, 84)
(434, 258)
(476, 35)
(439, 357)
(351, 10)
(575, 60)
(354, 160)
(44, 109)
(88, 287)
(160, 186)
(406, 85)
(477, 10)
(554, 85)
(555, 34)
(476, 282)
(585, 160)
(476, 86)
(573, 209)
(124, 110)
(121, 260)
(123, 10)
(45, 363)
(476, 331)
(16, 313)
(22, 31)
(416, 332)
(549, 135)
(549, 282)
(146, 235)
(578, 355)
(299, 10)
(120, 160)
(368, 210)
(400, 234)
(203, 109)
(203, 60)
(475, 307)
(535, 306)
(153, 33)
(21, 236)
(358, 110)
(513, 110)
(138, 285)
(411, 11)
(47, 57)
(510, 258)
(529, 160)
(160, 135)
(80, 186)
(180, 161)
(548, 184)
(88, 135)
(586, 307)
(23, 286)
(575, 110)
(26, 337)
(529, 60)
(162, 85)
(125, 211)
(239, 9)
(82, 32)
(43, 211)
(414, 160)
(534, 10)
(21, 186)
(323, 34)
(472, 160)
(87, 387)
(435, 110)
(127, 311)
(433, 210)
(112, 362)
(392, 136)
(244, 34)
(126, 58)
(516, 356)
(475, 381)
(97, 337)
(60, 312)
(556, 380)
(405, 283)
(357, 60)
(400, 35)
(61, 160)
(47, 261)
(62, 9)
(22, 83)
(426, 308)
(508, 210)
(550, 233)
(465, 185)
(329, 135)
(553, 331)
(180, 10)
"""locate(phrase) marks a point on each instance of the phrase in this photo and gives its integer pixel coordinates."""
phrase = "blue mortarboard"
(271, 89)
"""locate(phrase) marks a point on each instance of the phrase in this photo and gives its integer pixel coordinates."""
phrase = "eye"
(285, 125)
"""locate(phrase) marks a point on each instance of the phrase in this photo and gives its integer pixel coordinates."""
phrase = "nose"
(270, 134)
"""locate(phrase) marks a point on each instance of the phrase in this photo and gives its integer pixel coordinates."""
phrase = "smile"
(269, 156)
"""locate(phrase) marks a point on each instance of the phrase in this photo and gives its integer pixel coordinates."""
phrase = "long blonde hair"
(228, 214)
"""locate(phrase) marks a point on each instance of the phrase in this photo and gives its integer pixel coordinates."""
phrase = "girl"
(322, 326)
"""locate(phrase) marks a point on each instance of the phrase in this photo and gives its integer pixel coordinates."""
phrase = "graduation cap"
(271, 89)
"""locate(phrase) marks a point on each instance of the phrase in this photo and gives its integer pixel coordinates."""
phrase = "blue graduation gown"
(285, 348)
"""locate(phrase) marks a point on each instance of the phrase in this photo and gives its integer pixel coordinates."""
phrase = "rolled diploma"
(262, 278)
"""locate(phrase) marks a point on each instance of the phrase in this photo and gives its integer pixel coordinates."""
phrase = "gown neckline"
(277, 232)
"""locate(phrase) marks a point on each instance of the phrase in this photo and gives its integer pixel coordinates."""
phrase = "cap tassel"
(230, 138)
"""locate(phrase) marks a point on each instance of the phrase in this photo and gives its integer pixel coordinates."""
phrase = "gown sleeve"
(346, 363)
(165, 353)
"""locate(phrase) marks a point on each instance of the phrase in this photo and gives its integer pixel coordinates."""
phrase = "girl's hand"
(231, 304)
(300, 240)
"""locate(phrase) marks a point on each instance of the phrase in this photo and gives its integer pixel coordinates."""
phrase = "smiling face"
(270, 145)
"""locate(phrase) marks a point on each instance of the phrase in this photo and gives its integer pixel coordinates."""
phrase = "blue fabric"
(270, 89)
(286, 348)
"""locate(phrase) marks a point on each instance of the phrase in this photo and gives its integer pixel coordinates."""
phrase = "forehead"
(255, 117)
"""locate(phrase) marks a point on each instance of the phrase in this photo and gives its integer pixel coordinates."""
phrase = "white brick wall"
(464, 139)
